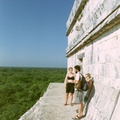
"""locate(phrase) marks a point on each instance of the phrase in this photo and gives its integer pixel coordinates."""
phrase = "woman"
(89, 82)
(86, 96)
(69, 85)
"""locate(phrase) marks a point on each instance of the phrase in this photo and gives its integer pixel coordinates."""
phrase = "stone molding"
(111, 20)
(75, 12)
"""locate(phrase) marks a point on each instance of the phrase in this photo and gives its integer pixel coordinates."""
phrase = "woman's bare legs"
(66, 98)
(71, 98)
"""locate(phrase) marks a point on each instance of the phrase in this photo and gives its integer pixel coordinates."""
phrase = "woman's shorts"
(70, 88)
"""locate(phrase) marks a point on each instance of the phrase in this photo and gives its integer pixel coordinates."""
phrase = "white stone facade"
(93, 30)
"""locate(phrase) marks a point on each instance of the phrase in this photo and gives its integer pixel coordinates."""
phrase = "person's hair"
(77, 67)
(70, 68)
(89, 75)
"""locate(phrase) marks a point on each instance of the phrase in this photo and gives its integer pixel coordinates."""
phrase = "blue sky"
(32, 32)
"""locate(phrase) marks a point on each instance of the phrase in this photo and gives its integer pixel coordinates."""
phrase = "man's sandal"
(78, 117)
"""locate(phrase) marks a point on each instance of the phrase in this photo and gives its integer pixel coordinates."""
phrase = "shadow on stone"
(91, 96)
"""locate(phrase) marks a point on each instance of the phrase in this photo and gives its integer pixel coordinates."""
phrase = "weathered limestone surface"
(104, 105)
(94, 44)
(116, 114)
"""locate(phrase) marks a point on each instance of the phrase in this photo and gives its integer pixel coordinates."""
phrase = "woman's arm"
(66, 80)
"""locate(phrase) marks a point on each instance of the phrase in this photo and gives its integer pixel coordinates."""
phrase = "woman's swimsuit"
(70, 78)
(70, 86)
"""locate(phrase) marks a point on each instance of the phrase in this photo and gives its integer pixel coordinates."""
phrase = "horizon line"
(28, 67)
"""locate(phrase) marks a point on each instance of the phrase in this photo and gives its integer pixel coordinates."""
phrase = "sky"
(33, 32)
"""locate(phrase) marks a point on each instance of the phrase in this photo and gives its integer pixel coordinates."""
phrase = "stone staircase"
(50, 106)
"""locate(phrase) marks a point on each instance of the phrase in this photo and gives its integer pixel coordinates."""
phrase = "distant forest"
(20, 88)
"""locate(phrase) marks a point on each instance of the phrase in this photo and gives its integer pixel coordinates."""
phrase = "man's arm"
(77, 78)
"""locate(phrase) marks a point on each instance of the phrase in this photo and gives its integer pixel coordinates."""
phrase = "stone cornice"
(111, 20)
(91, 23)
(75, 14)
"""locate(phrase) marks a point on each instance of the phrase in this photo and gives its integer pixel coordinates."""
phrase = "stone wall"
(94, 43)
(102, 58)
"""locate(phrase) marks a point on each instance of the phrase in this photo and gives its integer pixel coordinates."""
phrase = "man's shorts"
(78, 97)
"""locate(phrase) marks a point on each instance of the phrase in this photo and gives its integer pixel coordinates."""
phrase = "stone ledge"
(50, 106)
